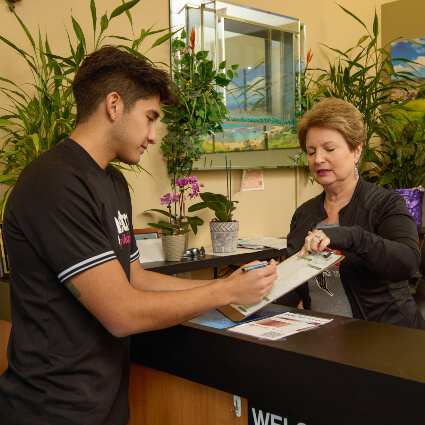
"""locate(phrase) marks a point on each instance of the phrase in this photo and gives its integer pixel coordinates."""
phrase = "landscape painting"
(415, 51)
(251, 126)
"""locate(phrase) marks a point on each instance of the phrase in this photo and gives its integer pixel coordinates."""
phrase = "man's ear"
(114, 105)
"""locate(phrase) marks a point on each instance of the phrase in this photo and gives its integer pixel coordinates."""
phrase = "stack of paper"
(262, 242)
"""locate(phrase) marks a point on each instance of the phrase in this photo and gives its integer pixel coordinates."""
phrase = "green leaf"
(20, 51)
(163, 39)
(201, 55)
(7, 178)
(7, 154)
(104, 22)
(197, 207)
(93, 14)
(166, 213)
(354, 16)
(135, 53)
(127, 12)
(375, 25)
(121, 9)
(178, 44)
(120, 38)
(30, 38)
(7, 122)
(78, 32)
(362, 40)
(162, 225)
(36, 141)
(222, 65)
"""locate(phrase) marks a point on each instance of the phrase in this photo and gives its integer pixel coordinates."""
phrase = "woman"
(371, 226)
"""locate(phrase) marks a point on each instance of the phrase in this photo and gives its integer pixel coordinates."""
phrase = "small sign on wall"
(252, 179)
(261, 415)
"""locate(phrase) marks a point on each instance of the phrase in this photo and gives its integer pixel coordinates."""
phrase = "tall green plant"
(364, 76)
(41, 113)
(200, 108)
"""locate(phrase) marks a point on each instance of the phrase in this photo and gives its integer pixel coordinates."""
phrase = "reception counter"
(347, 372)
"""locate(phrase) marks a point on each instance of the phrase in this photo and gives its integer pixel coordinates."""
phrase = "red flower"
(192, 39)
(309, 57)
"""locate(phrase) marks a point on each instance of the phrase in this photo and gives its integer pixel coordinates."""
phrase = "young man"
(77, 287)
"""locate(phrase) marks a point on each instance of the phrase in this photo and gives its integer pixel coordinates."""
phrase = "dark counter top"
(211, 261)
(346, 372)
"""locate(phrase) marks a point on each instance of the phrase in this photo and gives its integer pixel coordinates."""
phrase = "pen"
(256, 266)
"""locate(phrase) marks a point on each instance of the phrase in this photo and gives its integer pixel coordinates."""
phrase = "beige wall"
(261, 213)
(404, 19)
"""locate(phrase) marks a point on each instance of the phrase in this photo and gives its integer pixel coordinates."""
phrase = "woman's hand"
(315, 242)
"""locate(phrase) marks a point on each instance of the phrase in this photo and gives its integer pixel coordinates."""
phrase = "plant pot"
(173, 247)
(414, 199)
(224, 235)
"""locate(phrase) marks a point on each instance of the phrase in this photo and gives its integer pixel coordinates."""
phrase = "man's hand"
(251, 286)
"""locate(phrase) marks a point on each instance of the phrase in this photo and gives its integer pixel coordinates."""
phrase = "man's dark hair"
(112, 69)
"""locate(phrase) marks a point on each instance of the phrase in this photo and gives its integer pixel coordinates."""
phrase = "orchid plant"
(188, 187)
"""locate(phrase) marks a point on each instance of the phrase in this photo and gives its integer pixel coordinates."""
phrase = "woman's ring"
(318, 236)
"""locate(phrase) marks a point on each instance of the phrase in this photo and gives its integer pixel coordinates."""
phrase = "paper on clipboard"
(292, 273)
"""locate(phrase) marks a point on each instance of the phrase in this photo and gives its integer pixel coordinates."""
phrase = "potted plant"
(200, 108)
(41, 113)
(364, 76)
(175, 229)
(399, 163)
(224, 230)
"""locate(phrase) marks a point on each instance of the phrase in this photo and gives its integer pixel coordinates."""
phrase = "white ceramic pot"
(224, 235)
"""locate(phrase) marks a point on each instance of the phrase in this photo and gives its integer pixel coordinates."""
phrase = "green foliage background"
(41, 113)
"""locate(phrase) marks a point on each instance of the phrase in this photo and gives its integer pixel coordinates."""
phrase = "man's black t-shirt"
(64, 215)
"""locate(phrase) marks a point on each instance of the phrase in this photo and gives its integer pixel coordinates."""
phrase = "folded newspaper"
(262, 242)
(279, 326)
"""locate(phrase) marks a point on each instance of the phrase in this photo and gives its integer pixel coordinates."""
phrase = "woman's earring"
(356, 170)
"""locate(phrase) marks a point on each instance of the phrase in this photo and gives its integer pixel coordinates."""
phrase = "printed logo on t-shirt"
(123, 227)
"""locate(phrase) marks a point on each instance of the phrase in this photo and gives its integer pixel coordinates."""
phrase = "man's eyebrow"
(154, 112)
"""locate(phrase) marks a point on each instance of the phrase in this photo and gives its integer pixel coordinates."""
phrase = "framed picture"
(261, 98)
(413, 50)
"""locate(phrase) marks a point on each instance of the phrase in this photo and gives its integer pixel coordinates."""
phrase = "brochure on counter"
(292, 273)
(279, 326)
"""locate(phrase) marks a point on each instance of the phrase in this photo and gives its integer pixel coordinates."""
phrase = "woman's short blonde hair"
(337, 114)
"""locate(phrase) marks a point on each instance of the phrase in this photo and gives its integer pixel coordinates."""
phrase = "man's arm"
(145, 280)
(123, 310)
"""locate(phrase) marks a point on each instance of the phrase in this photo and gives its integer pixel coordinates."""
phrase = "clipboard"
(292, 273)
